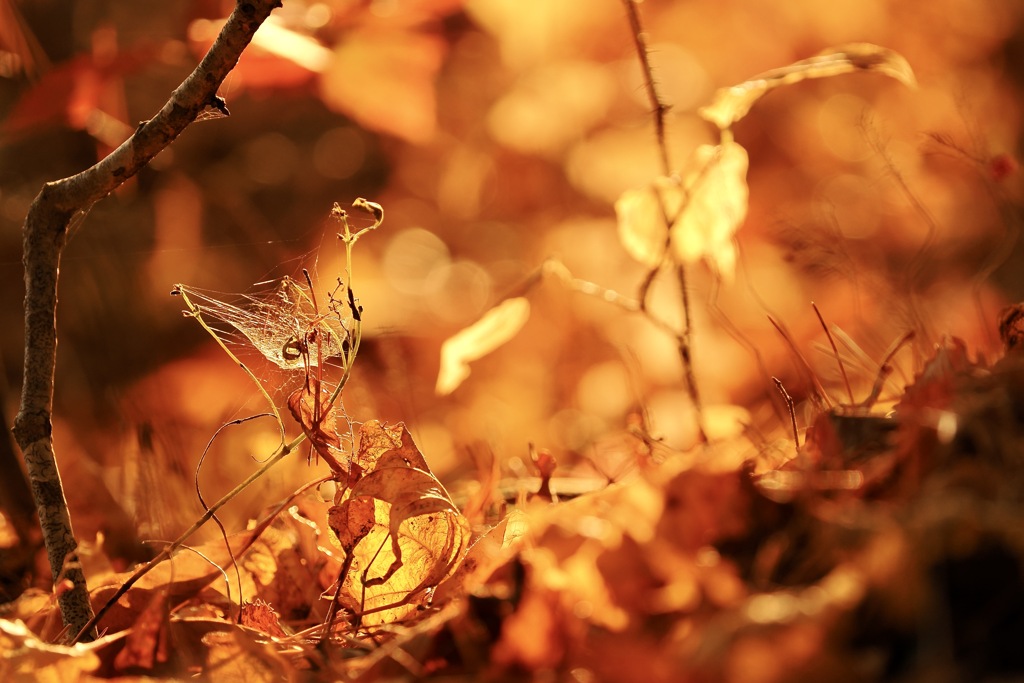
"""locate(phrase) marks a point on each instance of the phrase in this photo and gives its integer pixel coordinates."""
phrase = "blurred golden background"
(496, 134)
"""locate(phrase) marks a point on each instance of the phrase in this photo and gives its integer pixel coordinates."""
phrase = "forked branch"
(45, 234)
(684, 339)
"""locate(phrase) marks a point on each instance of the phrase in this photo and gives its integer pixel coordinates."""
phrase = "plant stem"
(684, 339)
(660, 108)
(686, 353)
(45, 234)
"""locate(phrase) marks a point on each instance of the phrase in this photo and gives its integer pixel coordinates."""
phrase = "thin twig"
(686, 352)
(659, 109)
(178, 543)
(835, 352)
(818, 394)
(45, 234)
(792, 411)
(202, 500)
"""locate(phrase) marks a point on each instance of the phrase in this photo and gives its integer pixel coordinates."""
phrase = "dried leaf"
(399, 527)
(704, 210)
(306, 405)
(642, 227)
(563, 546)
(703, 506)
(487, 554)
(146, 645)
(495, 328)
(716, 187)
(733, 103)
(261, 616)
(236, 656)
(352, 521)
(286, 574)
(27, 658)
(935, 387)
(181, 578)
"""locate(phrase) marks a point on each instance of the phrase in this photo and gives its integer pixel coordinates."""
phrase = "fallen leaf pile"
(879, 545)
(886, 548)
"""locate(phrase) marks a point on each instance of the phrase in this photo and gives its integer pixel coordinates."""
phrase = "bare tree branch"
(45, 234)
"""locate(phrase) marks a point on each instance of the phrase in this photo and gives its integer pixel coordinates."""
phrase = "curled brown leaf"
(400, 530)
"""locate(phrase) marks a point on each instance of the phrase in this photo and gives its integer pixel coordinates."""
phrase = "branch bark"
(44, 236)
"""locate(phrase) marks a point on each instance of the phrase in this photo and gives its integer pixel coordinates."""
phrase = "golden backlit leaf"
(493, 329)
(398, 526)
(733, 103)
(384, 80)
(704, 210)
(716, 206)
(517, 525)
(642, 227)
(380, 445)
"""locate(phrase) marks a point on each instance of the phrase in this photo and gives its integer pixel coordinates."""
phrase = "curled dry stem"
(170, 549)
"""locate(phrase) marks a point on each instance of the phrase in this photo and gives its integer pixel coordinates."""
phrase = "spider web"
(281, 321)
